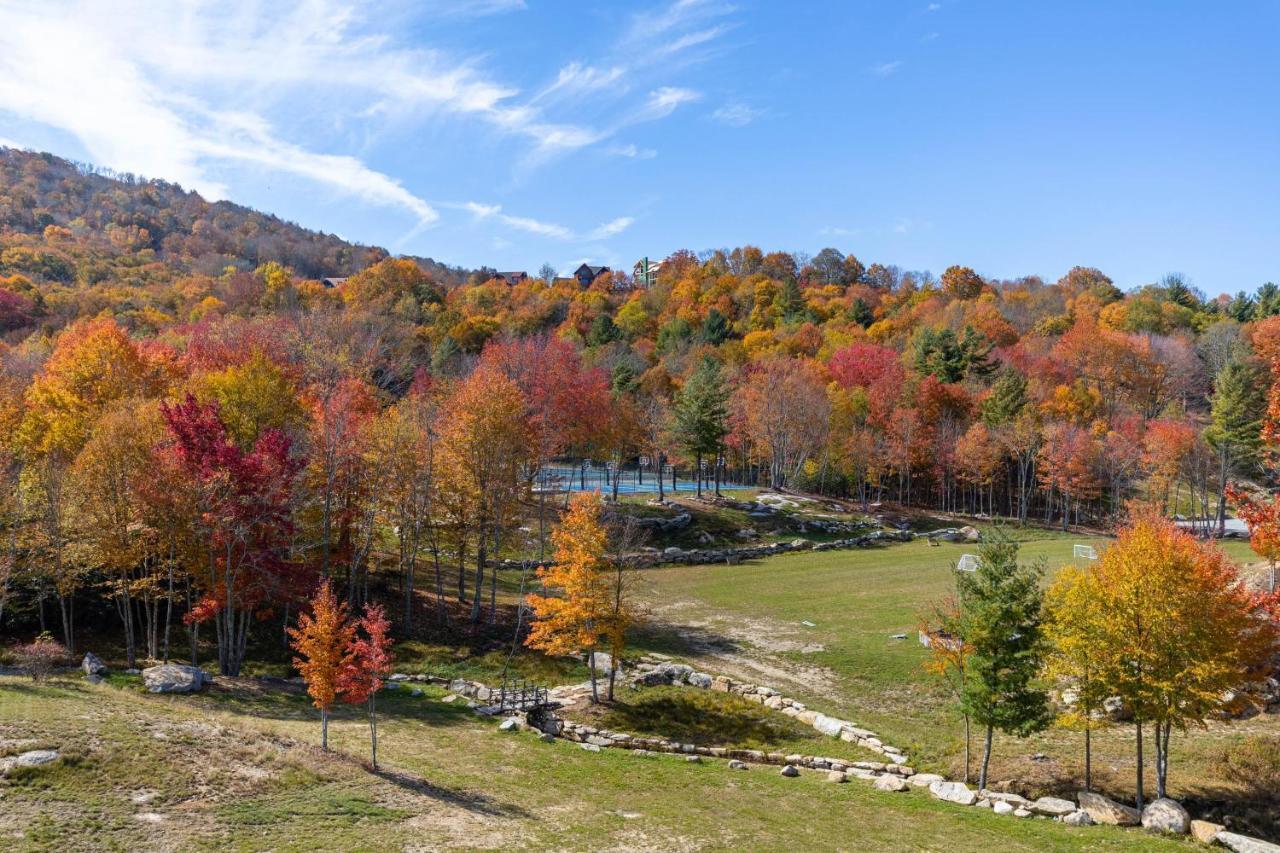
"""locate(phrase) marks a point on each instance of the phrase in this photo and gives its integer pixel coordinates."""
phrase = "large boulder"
(1244, 844)
(1053, 807)
(175, 678)
(954, 792)
(1103, 810)
(93, 665)
(1080, 817)
(1166, 815)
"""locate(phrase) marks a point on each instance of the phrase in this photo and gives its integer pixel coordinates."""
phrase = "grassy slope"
(235, 771)
(858, 600)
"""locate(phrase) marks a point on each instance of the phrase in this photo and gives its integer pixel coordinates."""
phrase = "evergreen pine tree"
(1008, 398)
(701, 414)
(1000, 622)
(1235, 429)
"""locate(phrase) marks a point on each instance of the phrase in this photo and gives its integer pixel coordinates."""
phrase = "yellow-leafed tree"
(1171, 629)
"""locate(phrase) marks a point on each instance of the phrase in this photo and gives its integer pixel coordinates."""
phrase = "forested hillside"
(168, 361)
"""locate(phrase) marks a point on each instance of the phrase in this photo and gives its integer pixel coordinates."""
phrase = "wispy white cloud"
(933, 7)
(189, 92)
(885, 69)
(737, 114)
(837, 231)
(930, 36)
(540, 228)
(470, 8)
(611, 229)
(684, 22)
(578, 79)
(164, 93)
(664, 101)
(632, 152)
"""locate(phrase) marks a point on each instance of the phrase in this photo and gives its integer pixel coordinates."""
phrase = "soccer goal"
(968, 563)
(1087, 552)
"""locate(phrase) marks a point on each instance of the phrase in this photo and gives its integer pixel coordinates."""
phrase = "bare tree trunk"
(1138, 726)
(986, 759)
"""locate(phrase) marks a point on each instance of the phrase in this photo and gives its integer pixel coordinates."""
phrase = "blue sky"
(1014, 137)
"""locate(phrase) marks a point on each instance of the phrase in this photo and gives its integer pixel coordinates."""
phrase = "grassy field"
(822, 626)
(238, 769)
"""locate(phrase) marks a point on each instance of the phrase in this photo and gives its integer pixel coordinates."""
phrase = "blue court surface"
(631, 481)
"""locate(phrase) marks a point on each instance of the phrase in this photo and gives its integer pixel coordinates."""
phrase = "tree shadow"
(472, 801)
(672, 638)
(701, 719)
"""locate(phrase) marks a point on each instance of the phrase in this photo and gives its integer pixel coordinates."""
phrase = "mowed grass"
(218, 772)
(857, 601)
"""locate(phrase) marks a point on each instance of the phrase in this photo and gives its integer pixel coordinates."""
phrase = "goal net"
(968, 563)
(1087, 552)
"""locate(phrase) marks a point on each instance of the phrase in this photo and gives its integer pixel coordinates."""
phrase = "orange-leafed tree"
(1173, 630)
(574, 619)
(323, 641)
(1263, 519)
(485, 452)
(367, 664)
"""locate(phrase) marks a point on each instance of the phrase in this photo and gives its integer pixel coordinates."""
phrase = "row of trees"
(1161, 625)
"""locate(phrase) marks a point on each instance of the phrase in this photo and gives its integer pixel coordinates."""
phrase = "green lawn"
(238, 770)
(849, 663)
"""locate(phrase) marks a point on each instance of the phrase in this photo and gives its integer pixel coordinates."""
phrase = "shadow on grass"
(472, 801)
(701, 718)
(670, 638)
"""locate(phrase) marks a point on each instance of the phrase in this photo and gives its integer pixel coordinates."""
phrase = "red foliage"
(369, 659)
(567, 402)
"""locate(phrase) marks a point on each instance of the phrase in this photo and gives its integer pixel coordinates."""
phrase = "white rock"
(34, 758)
(789, 771)
(510, 724)
(953, 792)
(1079, 817)
(829, 726)
(1245, 844)
(890, 783)
(175, 678)
(737, 765)
(1166, 815)
(924, 780)
(1053, 806)
(1103, 810)
(93, 665)
(1000, 807)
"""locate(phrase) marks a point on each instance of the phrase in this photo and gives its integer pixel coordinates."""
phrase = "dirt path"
(750, 649)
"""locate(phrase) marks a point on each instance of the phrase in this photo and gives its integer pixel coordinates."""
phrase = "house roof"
(592, 271)
(332, 281)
